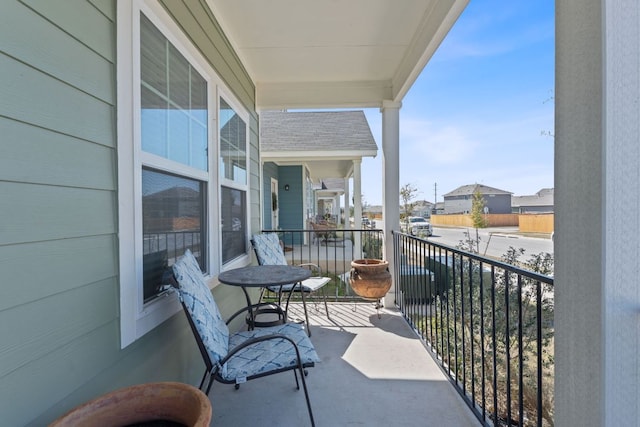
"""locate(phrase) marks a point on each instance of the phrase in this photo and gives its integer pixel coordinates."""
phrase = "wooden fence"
(464, 220)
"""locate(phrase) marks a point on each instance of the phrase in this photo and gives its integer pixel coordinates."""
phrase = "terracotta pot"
(173, 402)
(370, 278)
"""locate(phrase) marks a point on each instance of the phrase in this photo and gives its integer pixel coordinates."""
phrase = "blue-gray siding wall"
(59, 297)
(269, 170)
(292, 201)
(497, 204)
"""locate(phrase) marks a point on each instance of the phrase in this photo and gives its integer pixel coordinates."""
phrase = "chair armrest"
(310, 264)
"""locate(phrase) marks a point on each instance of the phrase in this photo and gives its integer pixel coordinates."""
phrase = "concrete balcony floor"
(374, 372)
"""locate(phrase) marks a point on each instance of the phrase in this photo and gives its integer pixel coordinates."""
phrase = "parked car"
(419, 226)
(366, 223)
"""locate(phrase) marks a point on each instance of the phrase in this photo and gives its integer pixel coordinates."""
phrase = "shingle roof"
(543, 197)
(315, 131)
(470, 189)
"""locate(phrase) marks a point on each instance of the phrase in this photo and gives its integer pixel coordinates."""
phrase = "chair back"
(201, 308)
(268, 250)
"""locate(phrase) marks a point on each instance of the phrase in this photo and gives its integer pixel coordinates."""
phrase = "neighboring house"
(460, 200)
(308, 160)
(541, 202)
(422, 208)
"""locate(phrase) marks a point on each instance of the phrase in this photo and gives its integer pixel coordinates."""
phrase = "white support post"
(390, 182)
(357, 208)
(347, 204)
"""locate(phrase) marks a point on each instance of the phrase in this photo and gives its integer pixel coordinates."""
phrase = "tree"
(407, 193)
(478, 204)
(477, 210)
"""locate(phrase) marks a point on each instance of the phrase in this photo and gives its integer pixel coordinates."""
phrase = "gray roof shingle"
(467, 190)
(315, 131)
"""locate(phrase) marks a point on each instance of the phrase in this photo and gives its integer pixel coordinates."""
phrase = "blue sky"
(479, 109)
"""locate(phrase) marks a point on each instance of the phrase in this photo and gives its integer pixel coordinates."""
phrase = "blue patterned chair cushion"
(204, 312)
(264, 356)
(268, 355)
(268, 249)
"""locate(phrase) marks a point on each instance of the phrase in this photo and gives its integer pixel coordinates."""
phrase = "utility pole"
(435, 196)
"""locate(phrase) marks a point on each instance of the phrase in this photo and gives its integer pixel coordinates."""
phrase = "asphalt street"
(495, 242)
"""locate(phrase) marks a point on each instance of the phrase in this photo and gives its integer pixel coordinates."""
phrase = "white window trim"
(244, 115)
(136, 318)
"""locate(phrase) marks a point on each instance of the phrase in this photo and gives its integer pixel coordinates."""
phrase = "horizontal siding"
(40, 270)
(168, 353)
(44, 329)
(40, 156)
(34, 40)
(44, 382)
(32, 213)
(93, 29)
(30, 96)
(106, 7)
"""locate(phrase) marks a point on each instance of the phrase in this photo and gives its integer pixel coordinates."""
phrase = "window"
(233, 175)
(173, 127)
(173, 219)
(175, 118)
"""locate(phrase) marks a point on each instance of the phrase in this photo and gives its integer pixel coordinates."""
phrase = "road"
(494, 242)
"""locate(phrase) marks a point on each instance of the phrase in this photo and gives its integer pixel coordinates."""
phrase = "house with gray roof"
(541, 202)
(308, 159)
(460, 200)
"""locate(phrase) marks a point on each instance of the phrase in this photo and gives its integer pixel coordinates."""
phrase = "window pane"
(233, 145)
(174, 101)
(234, 217)
(173, 220)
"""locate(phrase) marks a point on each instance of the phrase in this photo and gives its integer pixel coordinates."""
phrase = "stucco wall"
(579, 361)
(597, 252)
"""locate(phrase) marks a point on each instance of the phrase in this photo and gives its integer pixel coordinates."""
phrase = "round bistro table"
(258, 276)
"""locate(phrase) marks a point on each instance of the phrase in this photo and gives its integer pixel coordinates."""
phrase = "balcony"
(374, 371)
(469, 340)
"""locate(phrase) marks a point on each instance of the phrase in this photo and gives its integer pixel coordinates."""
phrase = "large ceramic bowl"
(166, 402)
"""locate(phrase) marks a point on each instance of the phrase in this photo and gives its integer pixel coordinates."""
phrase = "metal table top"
(264, 275)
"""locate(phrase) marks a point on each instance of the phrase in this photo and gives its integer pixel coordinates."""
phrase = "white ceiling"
(334, 53)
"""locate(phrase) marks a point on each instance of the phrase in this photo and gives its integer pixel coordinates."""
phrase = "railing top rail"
(507, 267)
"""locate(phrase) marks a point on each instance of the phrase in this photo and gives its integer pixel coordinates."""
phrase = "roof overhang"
(330, 53)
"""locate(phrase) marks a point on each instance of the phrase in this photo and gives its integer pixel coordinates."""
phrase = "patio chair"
(269, 252)
(323, 232)
(234, 358)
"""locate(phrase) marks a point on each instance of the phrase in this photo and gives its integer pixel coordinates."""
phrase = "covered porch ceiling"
(332, 53)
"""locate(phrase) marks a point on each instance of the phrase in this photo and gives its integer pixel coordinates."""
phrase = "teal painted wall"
(59, 297)
(292, 201)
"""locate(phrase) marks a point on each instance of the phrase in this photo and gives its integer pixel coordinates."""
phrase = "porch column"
(357, 208)
(597, 219)
(347, 204)
(390, 182)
